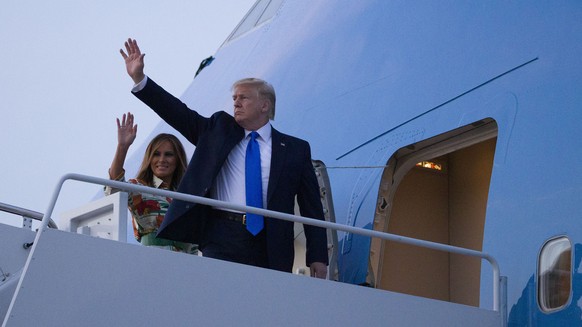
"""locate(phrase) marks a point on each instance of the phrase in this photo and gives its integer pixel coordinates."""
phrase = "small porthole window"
(555, 274)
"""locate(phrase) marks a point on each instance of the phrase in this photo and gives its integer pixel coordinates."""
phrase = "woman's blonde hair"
(145, 173)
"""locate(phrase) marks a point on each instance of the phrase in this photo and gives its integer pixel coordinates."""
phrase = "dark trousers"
(230, 241)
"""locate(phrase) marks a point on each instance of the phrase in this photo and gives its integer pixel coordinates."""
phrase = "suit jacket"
(214, 137)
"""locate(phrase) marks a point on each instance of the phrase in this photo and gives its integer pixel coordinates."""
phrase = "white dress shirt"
(229, 185)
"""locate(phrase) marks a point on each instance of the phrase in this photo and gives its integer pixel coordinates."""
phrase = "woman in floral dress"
(162, 167)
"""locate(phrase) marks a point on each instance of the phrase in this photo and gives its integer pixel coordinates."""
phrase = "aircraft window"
(555, 274)
(262, 11)
(270, 11)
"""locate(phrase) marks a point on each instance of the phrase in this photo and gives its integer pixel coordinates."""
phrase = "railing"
(25, 213)
(278, 215)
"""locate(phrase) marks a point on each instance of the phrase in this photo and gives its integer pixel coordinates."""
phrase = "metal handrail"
(25, 213)
(278, 215)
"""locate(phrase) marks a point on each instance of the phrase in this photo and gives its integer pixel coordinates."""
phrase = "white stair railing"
(498, 301)
(26, 214)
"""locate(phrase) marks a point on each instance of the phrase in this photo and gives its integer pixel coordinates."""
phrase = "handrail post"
(43, 225)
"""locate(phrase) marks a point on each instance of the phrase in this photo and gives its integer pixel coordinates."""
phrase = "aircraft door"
(435, 190)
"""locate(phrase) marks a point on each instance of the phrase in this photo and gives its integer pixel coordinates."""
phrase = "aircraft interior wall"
(445, 206)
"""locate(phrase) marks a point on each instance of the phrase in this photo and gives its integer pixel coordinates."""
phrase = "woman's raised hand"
(126, 130)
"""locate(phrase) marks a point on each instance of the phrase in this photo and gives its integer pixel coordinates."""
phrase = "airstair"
(70, 277)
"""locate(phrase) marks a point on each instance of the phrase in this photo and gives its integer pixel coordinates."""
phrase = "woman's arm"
(126, 133)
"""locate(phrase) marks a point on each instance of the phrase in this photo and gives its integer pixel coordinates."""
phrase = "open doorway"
(435, 190)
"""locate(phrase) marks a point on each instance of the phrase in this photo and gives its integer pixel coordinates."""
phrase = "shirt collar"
(157, 182)
(264, 132)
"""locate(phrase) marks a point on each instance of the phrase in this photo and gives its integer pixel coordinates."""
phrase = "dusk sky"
(63, 83)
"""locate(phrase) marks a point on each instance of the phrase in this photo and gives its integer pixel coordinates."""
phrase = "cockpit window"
(555, 274)
(262, 11)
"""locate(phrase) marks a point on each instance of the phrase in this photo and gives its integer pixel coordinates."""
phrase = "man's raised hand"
(133, 60)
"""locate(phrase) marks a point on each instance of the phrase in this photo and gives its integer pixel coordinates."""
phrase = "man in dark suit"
(217, 170)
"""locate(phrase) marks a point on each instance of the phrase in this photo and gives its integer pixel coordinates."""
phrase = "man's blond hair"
(266, 91)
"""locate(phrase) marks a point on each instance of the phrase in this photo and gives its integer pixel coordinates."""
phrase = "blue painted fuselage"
(362, 79)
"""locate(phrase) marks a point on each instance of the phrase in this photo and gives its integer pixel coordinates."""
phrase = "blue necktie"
(254, 184)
